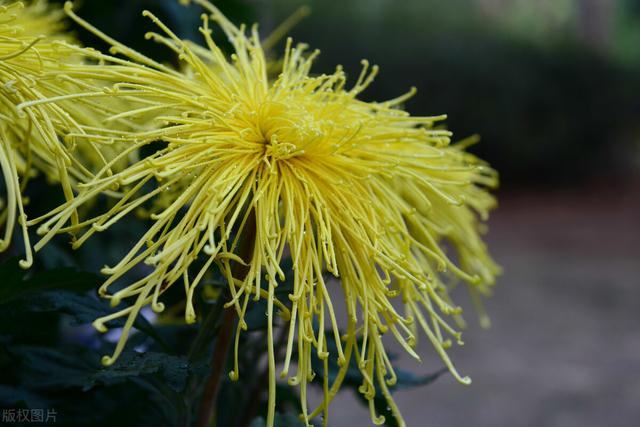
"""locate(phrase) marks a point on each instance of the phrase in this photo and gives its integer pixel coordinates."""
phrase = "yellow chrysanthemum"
(32, 44)
(361, 190)
(26, 140)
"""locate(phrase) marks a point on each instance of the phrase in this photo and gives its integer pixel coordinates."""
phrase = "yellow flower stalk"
(361, 190)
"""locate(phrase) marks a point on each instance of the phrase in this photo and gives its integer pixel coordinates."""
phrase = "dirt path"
(564, 349)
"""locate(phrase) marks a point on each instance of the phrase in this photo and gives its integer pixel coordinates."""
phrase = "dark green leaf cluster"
(50, 358)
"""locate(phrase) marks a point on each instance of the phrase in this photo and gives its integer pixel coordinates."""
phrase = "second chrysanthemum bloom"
(258, 169)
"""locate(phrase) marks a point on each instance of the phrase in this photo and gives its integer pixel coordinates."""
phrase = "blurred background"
(553, 88)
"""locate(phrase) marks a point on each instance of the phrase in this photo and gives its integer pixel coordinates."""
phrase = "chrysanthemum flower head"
(256, 170)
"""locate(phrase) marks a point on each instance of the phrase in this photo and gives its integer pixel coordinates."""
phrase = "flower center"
(276, 150)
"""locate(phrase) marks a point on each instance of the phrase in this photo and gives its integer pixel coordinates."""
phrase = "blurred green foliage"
(50, 359)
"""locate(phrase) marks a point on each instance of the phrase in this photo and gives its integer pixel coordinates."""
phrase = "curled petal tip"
(25, 263)
(107, 361)
(99, 326)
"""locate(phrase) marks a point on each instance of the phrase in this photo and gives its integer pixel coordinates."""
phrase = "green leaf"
(16, 283)
(81, 308)
(61, 290)
(85, 309)
(172, 369)
(14, 397)
(49, 368)
(71, 379)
